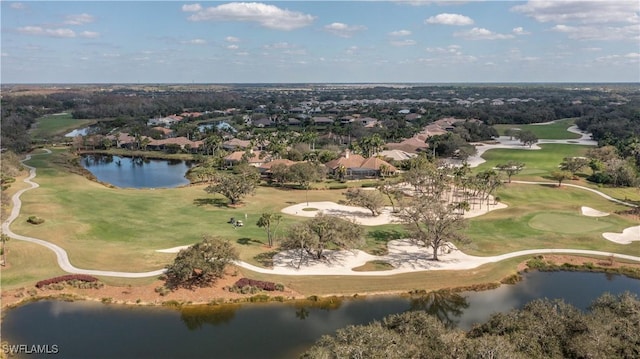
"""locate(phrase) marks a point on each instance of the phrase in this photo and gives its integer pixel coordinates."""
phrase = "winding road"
(64, 263)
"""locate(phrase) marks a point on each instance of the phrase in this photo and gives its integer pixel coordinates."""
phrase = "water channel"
(270, 330)
(137, 172)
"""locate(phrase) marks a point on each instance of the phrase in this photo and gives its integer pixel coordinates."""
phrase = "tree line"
(543, 328)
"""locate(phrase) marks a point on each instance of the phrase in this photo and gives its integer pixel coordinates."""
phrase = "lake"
(269, 330)
(137, 172)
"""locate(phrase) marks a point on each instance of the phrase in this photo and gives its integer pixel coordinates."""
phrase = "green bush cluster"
(35, 220)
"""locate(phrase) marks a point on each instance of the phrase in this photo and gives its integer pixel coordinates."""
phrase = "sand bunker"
(627, 236)
(363, 216)
(590, 212)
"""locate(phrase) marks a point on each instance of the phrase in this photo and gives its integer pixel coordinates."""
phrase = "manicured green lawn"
(538, 163)
(542, 216)
(553, 131)
(57, 125)
(121, 229)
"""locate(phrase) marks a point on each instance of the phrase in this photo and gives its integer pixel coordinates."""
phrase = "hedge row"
(64, 278)
(268, 286)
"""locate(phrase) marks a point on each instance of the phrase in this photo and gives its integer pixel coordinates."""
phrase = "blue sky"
(320, 41)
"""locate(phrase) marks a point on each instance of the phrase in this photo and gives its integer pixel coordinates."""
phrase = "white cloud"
(403, 43)
(520, 31)
(79, 19)
(400, 33)
(18, 6)
(232, 39)
(39, 31)
(191, 8)
(352, 50)
(4, 54)
(195, 42)
(268, 16)
(586, 12)
(478, 33)
(449, 19)
(343, 30)
(279, 45)
(451, 49)
(233, 47)
(89, 34)
(593, 49)
(632, 58)
(629, 32)
(431, 2)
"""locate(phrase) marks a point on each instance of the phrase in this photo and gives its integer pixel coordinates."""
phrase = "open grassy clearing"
(57, 125)
(543, 216)
(27, 263)
(120, 229)
(553, 131)
(538, 163)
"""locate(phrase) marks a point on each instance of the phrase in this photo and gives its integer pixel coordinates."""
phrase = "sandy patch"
(363, 216)
(360, 215)
(590, 212)
(628, 235)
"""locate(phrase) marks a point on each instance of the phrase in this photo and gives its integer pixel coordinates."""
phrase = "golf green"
(567, 223)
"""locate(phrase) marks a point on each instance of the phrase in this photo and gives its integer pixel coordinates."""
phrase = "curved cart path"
(61, 254)
(455, 260)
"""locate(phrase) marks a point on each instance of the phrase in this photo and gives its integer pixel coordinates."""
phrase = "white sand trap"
(590, 212)
(628, 235)
(362, 215)
(173, 250)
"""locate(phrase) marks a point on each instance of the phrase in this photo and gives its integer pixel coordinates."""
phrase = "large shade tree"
(235, 186)
(201, 264)
(431, 215)
(314, 236)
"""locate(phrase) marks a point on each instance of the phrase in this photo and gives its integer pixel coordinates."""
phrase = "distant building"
(358, 167)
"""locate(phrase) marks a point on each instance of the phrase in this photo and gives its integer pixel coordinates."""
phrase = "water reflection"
(137, 172)
(303, 307)
(194, 317)
(446, 305)
(271, 330)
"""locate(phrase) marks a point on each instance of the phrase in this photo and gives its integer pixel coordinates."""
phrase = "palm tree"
(3, 238)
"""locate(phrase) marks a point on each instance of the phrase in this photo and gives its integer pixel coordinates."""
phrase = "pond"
(137, 172)
(271, 330)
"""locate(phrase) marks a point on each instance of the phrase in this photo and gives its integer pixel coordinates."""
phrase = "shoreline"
(221, 296)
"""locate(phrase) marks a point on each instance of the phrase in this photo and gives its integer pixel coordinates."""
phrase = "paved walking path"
(401, 253)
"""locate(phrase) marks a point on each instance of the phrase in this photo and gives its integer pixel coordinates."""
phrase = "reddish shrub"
(64, 278)
(243, 282)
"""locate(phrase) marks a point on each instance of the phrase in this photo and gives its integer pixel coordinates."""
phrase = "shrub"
(262, 285)
(162, 290)
(338, 186)
(35, 220)
(66, 278)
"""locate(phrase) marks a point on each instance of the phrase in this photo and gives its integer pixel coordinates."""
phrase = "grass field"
(553, 131)
(120, 229)
(57, 125)
(538, 163)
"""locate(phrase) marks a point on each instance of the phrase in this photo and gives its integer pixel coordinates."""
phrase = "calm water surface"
(137, 172)
(273, 330)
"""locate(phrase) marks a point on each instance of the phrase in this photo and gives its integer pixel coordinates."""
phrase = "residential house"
(352, 166)
(235, 144)
(253, 158)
